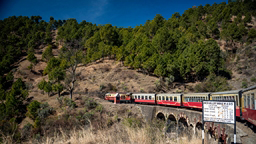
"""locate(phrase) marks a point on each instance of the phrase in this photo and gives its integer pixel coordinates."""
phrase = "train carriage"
(248, 106)
(110, 96)
(194, 100)
(168, 99)
(145, 98)
(125, 97)
(229, 95)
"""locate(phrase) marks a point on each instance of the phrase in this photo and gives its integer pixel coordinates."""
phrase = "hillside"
(207, 48)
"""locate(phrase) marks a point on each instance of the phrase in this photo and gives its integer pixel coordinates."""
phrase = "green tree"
(31, 57)
(42, 84)
(58, 87)
(163, 41)
(52, 63)
(248, 18)
(33, 108)
(251, 35)
(73, 55)
(15, 98)
(57, 75)
(47, 54)
(48, 88)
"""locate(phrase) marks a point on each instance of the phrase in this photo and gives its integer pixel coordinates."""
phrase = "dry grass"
(119, 134)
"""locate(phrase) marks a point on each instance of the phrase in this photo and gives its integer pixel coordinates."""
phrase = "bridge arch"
(160, 116)
(182, 126)
(198, 129)
(171, 124)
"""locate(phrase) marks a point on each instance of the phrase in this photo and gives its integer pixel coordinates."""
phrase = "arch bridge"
(189, 122)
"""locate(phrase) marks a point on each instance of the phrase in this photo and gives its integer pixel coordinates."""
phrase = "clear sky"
(121, 13)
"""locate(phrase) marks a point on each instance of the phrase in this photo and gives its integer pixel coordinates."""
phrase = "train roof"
(227, 92)
(249, 88)
(143, 93)
(174, 94)
(205, 93)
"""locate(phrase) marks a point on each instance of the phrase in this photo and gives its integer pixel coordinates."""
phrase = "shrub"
(45, 110)
(26, 130)
(102, 86)
(32, 108)
(253, 79)
(47, 54)
(244, 84)
(99, 108)
(60, 100)
(37, 123)
(70, 103)
(132, 122)
(213, 83)
(90, 103)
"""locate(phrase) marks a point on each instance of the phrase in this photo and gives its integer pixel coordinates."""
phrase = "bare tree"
(71, 54)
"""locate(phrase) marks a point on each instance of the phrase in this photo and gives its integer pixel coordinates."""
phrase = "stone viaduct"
(191, 122)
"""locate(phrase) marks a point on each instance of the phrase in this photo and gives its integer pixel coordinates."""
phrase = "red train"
(245, 100)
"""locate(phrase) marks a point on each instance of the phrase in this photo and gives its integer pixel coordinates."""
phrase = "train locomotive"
(245, 100)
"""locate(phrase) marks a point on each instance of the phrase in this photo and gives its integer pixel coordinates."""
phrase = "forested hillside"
(207, 44)
(184, 46)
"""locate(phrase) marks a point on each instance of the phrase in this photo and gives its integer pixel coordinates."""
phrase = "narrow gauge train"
(245, 100)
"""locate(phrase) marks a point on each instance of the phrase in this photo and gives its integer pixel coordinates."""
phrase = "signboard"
(219, 111)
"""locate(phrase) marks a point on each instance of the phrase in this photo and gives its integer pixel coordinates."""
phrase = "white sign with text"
(219, 111)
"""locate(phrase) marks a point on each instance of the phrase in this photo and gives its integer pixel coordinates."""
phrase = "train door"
(248, 101)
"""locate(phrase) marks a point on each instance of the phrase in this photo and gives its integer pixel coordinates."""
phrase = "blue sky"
(121, 13)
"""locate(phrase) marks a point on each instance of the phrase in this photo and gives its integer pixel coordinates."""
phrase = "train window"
(149, 97)
(142, 97)
(252, 100)
(175, 98)
(135, 97)
(167, 98)
(159, 98)
(244, 101)
(138, 97)
(146, 97)
(162, 97)
(248, 101)
(171, 98)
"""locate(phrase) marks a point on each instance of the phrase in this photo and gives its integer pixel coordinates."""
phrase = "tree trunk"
(71, 93)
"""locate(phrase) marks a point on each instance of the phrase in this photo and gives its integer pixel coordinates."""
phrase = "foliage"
(48, 88)
(32, 109)
(132, 122)
(42, 84)
(99, 108)
(72, 54)
(70, 103)
(32, 58)
(244, 84)
(47, 54)
(45, 86)
(58, 88)
(44, 111)
(90, 103)
(51, 64)
(253, 79)
(213, 83)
